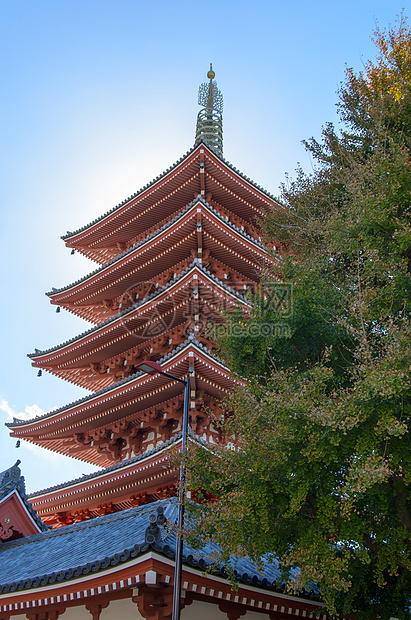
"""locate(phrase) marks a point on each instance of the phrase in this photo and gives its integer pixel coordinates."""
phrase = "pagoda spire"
(210, 117)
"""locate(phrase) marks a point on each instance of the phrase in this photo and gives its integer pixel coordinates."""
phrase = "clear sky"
(99, 97)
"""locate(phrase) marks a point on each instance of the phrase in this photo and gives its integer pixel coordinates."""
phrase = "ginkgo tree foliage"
(320, 477)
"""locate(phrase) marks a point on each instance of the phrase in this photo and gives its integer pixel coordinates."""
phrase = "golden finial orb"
(211, 74)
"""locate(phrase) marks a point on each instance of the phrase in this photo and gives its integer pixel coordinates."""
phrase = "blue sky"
(99, 97)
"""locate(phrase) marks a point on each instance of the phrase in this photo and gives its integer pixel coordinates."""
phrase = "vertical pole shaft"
(181, 500)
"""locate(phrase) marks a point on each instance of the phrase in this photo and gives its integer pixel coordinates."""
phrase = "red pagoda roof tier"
(103, 374)
(200, 171)
(137, 481)
(109, 308)
(154, 257)
(166, 308)
(130, 409)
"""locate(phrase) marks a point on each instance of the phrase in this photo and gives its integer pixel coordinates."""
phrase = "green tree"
(321, 477)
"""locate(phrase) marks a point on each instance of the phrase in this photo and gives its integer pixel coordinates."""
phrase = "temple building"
(171, 260)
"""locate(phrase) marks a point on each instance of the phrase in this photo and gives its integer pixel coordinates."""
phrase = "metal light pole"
(154, 368)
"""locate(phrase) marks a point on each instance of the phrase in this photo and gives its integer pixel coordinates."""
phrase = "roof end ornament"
(210, 118)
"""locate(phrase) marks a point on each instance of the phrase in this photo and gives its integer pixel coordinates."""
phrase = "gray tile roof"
(90, 547)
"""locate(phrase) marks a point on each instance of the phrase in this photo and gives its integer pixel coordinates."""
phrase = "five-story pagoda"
(170, 259)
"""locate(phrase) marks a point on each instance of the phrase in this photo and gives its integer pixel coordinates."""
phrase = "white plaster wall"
(254, 615)
(199, 610)
(79, 612)
(123, 609)
(202, 611)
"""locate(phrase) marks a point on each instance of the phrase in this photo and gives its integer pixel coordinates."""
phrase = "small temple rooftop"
(90, 551)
